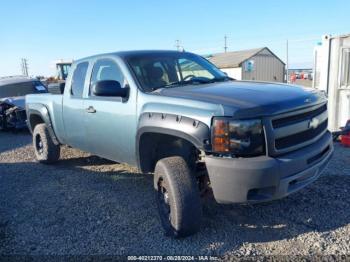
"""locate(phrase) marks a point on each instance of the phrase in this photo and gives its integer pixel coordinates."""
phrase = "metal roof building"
(258, 64)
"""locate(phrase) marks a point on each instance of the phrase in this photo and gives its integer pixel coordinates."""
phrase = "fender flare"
(191, 130)
(42, 111)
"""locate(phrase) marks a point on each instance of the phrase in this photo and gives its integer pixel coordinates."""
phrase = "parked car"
(177, 116)
(12, 100)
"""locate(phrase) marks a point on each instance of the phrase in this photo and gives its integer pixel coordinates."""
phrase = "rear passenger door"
(73, 107)
(111, 121)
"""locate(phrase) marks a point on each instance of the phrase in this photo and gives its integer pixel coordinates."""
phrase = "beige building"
(254, 64)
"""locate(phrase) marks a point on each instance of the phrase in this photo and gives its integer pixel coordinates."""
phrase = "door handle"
(90, 110)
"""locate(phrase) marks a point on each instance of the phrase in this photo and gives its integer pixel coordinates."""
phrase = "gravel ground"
(304, 82)
(87, 205)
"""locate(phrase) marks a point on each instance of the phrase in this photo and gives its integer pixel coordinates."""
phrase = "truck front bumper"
(263, 178)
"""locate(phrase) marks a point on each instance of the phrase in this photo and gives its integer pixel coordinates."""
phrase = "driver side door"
(110, 121)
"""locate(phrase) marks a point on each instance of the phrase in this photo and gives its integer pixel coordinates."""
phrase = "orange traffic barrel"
(345, 139)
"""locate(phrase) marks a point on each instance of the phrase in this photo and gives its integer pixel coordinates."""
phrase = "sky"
(43, 31)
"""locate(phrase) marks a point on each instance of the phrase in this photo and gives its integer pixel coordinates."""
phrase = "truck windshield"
(165, 70)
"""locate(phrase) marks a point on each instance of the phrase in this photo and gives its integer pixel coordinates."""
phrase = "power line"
(213, 46)
(261, 40)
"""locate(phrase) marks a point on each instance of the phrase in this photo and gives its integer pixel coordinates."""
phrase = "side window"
(345, 68)
(107, 69)
(79, 79)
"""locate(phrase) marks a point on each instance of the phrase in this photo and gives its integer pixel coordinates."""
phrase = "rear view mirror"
(109, 88)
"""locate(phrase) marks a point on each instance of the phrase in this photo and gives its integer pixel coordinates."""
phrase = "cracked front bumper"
(263, 178)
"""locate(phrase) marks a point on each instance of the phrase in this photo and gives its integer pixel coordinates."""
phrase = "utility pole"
(24, 65)
(287, 61)
(225, 47)
(178, 45)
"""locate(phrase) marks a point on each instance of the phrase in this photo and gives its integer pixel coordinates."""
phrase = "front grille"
(301, 137)
(298, 118)
(292, 131)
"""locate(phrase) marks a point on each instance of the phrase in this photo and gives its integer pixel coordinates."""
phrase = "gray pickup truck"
(177, 116)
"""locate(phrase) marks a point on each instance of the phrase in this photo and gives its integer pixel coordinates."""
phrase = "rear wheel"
(177, 197)
(45, 149)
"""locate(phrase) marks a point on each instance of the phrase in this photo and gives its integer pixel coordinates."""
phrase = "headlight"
(239, 137)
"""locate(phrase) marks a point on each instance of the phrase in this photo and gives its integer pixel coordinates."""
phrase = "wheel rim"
(163, 200)
(39, 146)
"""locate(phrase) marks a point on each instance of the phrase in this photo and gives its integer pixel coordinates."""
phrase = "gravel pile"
(87, 205)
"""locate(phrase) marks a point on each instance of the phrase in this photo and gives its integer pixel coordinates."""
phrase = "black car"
(12, 100)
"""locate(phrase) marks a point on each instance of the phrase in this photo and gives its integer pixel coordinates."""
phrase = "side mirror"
(109, 88)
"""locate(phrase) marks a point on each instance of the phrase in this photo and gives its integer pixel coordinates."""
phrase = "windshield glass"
(165, 70)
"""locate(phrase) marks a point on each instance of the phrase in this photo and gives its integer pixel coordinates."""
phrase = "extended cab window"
(79, 79)
(106, 69)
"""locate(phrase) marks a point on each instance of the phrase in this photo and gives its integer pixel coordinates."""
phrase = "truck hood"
(18, 101)
(247, 99)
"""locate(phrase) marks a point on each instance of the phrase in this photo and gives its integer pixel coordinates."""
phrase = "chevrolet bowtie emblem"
(314, 123)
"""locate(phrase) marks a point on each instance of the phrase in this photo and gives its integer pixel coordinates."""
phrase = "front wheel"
(45, 149)
(177, 197)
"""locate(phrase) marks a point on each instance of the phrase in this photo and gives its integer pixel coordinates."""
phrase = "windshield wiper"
(220, 79)
(177, 83)
(195, 80)
(174, 84)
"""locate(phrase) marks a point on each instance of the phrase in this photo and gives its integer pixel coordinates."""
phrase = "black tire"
(45, 150)
(177, 197)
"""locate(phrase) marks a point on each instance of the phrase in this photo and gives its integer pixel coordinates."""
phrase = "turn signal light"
(239, 137)
(221, 139)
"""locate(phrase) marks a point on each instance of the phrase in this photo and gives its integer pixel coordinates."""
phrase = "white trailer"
(332, 74)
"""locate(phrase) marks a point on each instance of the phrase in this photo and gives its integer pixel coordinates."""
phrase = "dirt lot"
(87, 205)
(304, 82)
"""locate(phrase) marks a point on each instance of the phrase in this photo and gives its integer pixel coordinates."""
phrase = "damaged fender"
(12, 114)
